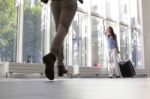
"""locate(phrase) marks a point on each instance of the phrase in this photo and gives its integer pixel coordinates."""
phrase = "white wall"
(146, 33)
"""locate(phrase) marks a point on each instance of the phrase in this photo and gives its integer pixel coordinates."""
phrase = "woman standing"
(63, 12)
(113, 53)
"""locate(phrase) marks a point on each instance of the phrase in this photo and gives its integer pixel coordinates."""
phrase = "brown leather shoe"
(62, 70)
(49, 61)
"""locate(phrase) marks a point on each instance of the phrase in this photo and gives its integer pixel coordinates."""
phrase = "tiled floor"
(134, 88)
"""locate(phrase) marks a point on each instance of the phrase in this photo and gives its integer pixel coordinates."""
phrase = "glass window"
(8, 29)
(134, 13)
(52, 28)
(136, 51)
(68, 49)
(82, 32)
(71, 44)
(98, 44)
(32, 35)
(85, 6)
(98, 6)
(112, 9)
(124, 10)
(124, 42)
(79, 39)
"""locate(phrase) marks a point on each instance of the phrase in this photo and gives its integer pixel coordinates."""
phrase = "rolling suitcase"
(126, 68)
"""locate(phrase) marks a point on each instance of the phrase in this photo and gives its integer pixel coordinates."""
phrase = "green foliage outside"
(8, 22)
(8, 19)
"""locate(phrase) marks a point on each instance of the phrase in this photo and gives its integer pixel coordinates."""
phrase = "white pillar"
(19, 49)
(89, 42)
(146, 33)
(47, 29)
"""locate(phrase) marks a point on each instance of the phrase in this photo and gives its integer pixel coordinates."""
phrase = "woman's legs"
(110, 65)
(49, 59)
(110, 70)
(116, 64)
(56, 10)
(63, 12)
(67, 13)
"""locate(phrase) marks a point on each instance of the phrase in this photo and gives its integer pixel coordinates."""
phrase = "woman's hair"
(111, 31)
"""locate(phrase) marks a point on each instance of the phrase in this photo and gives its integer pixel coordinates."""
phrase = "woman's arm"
(117, 45)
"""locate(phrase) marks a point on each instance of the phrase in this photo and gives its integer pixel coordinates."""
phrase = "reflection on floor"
(91, 88)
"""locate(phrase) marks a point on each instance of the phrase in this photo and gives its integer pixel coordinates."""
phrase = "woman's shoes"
(118, 76)
(62, 70)
(49, 61)
(114, 76)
